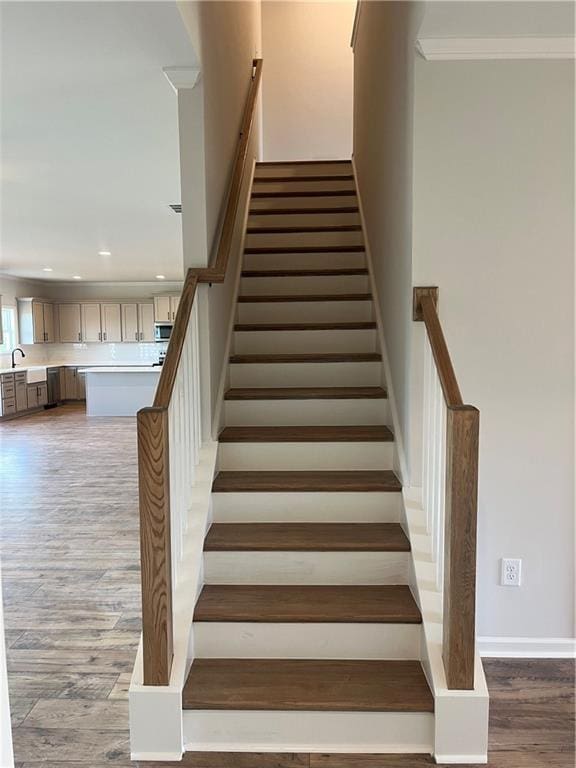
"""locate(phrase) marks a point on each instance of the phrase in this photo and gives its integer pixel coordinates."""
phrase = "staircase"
(306, 633)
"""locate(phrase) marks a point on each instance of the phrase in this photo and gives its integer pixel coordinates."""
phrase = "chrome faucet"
(17, 350)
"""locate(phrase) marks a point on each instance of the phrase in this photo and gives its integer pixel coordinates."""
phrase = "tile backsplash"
(87, 354)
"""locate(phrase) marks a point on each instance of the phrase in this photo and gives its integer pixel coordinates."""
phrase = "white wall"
(383, 83)
(493, 227)
(227, 36)
(307, 90)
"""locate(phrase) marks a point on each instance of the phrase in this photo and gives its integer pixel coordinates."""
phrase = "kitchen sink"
(37, 373)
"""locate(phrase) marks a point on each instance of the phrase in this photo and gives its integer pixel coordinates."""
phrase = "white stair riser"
(305, 456)
(282, 413)
(352, 260)
(303, 239)
(304, 220)
(277, 342)
(305, 374)
(303, 185)
(305, 311)
(330, 201)
(329, 732)
(299, 170)
(307, 285)
(306, 507)
(306, 567)
(251, 640)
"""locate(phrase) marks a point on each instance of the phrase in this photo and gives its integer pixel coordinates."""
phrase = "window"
(9, 339)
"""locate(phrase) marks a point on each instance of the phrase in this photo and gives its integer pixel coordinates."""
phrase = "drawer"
(8, 406)
(8, 390)
(8, 378)
(20, 377)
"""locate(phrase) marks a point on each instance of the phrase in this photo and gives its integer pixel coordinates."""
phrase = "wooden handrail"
(462, 432)
(425, 301)
(153, 442)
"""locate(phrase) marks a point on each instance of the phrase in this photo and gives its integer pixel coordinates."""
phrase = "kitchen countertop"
(123, 369)
(74, 365)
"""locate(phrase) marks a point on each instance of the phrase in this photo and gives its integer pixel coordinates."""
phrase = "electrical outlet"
(511, 572)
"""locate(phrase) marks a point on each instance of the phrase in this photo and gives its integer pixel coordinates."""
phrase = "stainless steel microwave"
(162, 331)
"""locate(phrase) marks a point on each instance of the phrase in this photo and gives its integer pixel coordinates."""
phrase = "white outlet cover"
(511, 572)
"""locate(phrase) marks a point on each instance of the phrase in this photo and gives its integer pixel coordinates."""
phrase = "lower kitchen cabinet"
(74, 385)
(37, 395)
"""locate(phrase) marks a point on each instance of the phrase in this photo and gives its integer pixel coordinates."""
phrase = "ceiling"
(487, 19)
(89, 139)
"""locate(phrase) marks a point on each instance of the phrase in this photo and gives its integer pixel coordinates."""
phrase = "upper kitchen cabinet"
(35, 321)
(137, 322)
(146, 322)
(91, 322)
(165, 308)
(69, 322)
(111, 322)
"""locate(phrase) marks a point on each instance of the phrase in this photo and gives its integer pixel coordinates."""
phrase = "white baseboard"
(157, 757)
(527, 647)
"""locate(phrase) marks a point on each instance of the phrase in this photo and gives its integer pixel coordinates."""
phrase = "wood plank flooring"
(69, 541)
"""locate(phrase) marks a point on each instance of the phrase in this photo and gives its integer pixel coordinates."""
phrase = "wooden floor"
(69, 547)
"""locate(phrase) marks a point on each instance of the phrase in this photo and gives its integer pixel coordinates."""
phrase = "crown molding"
(181, 77)
(480, 48)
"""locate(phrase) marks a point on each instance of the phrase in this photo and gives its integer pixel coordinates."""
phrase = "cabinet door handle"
(79, 337)
(104, 335)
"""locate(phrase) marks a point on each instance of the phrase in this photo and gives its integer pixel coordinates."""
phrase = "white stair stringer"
(288, 731)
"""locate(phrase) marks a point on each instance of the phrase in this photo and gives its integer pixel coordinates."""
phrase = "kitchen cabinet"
(130, 331)
(146, 322)
(21, 391)
(74, 384)
(91, 322)
(165, 308)
(69, 322)
(138, 322)
(35, 321)
(111, 322)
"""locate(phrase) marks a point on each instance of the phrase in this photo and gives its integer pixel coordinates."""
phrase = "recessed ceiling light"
(47, 269)
(104, 253)
(160, 277)
(76, 277)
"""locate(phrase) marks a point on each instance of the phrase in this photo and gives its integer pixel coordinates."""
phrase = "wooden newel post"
(460, 546)
(155, 558)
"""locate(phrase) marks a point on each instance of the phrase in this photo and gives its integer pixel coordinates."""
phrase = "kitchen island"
(120, 390)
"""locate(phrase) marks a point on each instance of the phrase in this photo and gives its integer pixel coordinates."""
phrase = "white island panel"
(119, 391)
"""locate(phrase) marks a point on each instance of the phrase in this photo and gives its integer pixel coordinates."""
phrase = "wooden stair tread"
(319, 209)
(304, 249)
(270, 163)
(307, 434)
(317, 177)
(362, 326)
(305, 393)
(306, 537)
(307, 685)
(277, 298)
(312, 357)
(308, 193)
(390, 604)
(303, 229)
(344, 272)
(380, 481)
